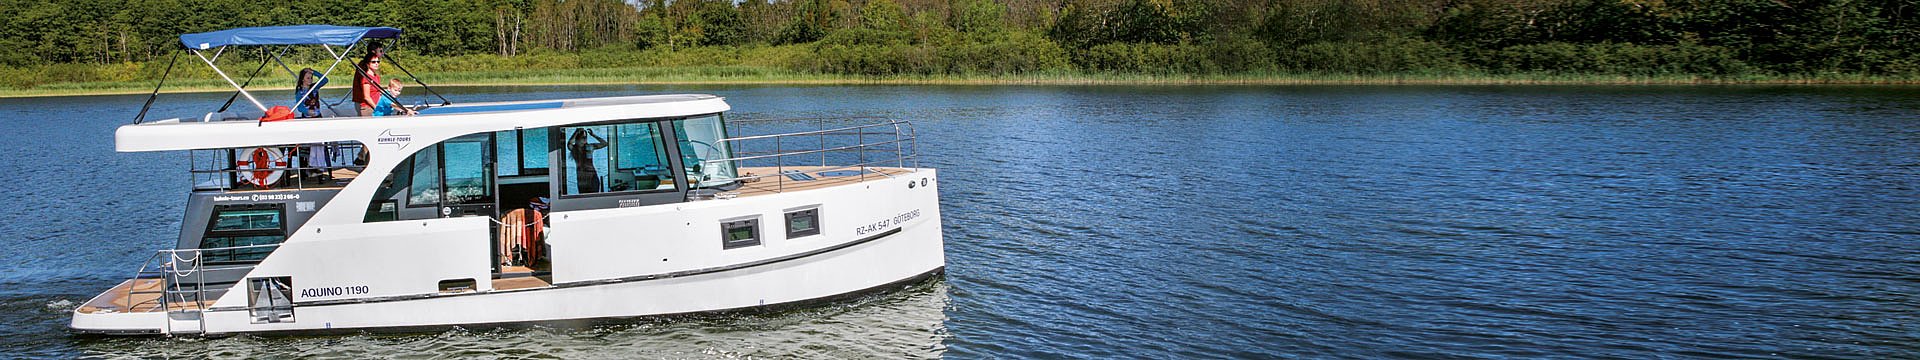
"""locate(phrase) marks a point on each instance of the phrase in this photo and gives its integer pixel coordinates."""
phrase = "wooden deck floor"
(518, 283)
(144, 297)
(777, 184)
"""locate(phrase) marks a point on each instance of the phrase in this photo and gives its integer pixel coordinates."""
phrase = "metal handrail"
(220, 159)
(902, 142)
(171, 269)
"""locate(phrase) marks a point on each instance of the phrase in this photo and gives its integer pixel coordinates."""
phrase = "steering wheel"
(695, 167)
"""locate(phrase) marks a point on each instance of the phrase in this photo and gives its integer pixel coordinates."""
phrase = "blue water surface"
(1202, 222)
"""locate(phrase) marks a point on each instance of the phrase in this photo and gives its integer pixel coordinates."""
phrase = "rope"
(539, 220)
(176, 260)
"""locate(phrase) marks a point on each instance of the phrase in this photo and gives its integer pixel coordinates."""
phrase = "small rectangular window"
(240, 233)
(740, 233)
(260, 219)
(803, 223)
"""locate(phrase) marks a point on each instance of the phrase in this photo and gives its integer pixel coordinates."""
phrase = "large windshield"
(700, 142)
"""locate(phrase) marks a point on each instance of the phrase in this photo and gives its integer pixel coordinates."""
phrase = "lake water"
(1198, 222)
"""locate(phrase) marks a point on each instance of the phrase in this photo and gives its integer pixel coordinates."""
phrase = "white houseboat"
(511, 212)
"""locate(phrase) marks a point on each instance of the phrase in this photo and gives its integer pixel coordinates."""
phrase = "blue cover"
(488, 108)
(287, 35)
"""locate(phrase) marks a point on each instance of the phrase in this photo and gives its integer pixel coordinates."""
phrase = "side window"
(507, 145)
(465, 168)
(533, 151)
(586, 155)
(521, 152)
(615, 158)
(385, 205)
(248, 227)
(425, 187)
(740, 233)
(803, 223)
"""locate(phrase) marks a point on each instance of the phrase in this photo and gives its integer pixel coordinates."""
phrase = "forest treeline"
(119, 40)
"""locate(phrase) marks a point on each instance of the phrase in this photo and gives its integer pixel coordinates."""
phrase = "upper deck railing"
(296, 166)
(839, 144)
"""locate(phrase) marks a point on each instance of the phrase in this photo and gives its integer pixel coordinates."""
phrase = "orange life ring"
(260, 160)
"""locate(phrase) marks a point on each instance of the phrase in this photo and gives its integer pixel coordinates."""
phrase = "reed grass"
(747, 74)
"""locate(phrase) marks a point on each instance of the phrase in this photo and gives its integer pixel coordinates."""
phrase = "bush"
(1392, 55)
(1225, 55)
(1616, 59)
(876, 52)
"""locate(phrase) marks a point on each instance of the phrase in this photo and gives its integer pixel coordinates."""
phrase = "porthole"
(740, 233)
(802, 223)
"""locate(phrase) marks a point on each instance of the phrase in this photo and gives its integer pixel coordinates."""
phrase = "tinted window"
(466, 170)
(615, 158)
(243, 226)
(264, 219)
(425, 189)
(507, 144)
(739, 233)
(803, 223)
(533, 150)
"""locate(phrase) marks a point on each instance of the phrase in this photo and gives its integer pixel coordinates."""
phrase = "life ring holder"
(259, 160)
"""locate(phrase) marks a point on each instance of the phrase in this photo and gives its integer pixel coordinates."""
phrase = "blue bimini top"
(287, 35)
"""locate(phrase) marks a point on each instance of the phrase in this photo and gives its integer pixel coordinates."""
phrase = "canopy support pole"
(337, 58)
(229, 79)
(250, 77)
(156, 89)
(416, 80)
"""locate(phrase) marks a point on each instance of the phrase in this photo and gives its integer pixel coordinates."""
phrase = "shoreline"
(468, 80)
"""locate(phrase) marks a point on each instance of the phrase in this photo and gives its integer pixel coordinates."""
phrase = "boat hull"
(855, 254)
(893, 259)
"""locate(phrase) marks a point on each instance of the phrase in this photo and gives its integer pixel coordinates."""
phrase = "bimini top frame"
(326, 36)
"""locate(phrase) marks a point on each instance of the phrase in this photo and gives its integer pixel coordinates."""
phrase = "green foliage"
(977, 16)
(883, 15)
(109, 41)
(1617, 59)
(1389, 56)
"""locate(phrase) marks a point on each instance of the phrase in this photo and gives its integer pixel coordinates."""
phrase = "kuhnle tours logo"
(400, 141)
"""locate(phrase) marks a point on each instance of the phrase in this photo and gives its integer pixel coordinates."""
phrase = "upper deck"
(433, 124)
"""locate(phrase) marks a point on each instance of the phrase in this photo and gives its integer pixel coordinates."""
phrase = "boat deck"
(136, 295)
(798, 178)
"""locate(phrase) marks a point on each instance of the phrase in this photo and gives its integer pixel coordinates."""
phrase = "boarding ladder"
(183, 292)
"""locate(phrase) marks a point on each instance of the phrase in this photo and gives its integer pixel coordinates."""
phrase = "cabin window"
(803, 223)
(465, 167)
(241, 233)
(740, 233)
(521, 152)
(507, 144)
(700, 140)
(615, 158)
(386, 200)
(533, 151)
(425, 187)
